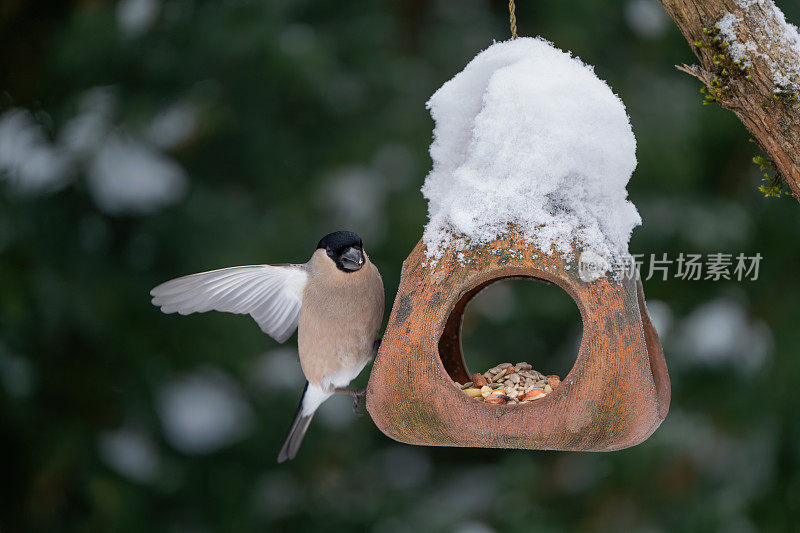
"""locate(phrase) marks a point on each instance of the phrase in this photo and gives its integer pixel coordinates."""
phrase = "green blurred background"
(147, 139)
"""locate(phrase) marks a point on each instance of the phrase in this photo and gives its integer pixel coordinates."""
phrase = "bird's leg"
(356, 394)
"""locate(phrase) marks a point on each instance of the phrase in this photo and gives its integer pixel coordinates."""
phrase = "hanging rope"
(512, 19)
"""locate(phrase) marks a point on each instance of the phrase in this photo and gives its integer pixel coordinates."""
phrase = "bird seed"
(509, 384)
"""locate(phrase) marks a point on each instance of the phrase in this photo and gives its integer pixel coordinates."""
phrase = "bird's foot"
(357, 395)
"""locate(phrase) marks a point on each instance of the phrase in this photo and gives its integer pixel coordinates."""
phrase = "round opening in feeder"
(511, 320)
(521, 319)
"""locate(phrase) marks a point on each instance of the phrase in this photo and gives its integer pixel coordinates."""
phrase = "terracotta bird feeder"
(615, 396)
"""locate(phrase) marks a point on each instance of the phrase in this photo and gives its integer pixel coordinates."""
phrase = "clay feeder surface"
(615, 396)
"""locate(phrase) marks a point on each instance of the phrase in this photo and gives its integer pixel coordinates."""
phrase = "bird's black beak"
(352, 259)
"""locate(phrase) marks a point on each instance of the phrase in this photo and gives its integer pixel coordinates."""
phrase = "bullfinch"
(335, 301)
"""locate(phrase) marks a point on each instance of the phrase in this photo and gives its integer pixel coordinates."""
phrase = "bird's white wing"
(271, 294)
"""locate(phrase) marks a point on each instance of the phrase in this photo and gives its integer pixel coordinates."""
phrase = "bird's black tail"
(296, 432)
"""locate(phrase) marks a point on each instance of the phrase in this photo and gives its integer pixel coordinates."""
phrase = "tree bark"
(769, 109)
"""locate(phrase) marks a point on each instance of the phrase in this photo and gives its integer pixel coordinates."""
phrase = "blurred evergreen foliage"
(309, 117)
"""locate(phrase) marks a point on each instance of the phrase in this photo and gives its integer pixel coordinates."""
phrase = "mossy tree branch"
(742, 77)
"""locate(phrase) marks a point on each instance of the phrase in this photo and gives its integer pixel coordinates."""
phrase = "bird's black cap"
(339, 240)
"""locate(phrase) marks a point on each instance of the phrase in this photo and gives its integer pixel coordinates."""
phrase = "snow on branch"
(749, 63)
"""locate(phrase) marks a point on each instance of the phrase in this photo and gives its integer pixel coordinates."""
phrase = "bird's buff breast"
(338, 325)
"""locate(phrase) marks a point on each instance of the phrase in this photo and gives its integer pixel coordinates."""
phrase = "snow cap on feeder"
(530, 136)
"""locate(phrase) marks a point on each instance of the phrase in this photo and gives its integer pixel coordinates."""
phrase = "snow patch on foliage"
(127, 170)
(136, 16)
(127, 176)
(722, 333)
(131, 453)
(204, 412)
(777, 42)
(27, 160)
(646, 18)
(526, 135)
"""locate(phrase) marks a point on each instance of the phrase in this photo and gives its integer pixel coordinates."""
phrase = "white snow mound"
(530, 136)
